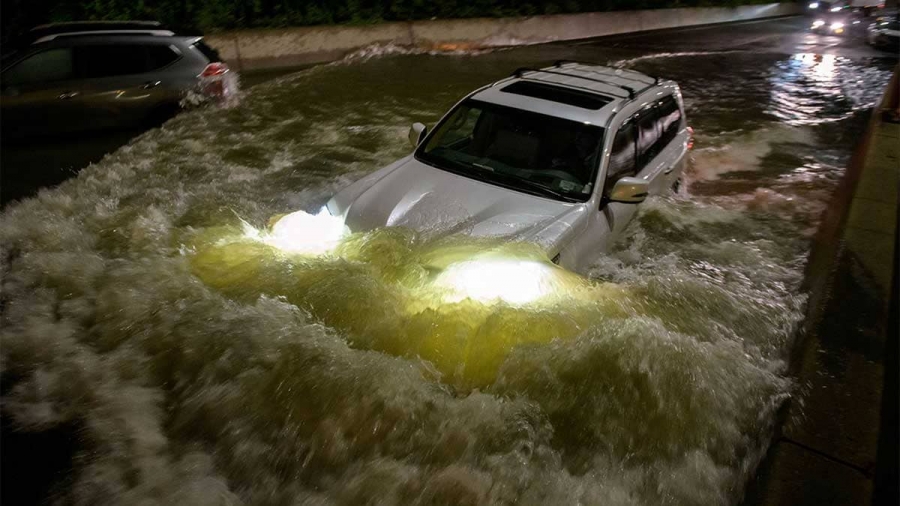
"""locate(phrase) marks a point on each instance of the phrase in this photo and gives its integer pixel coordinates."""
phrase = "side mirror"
(630, 190)
(416, 133)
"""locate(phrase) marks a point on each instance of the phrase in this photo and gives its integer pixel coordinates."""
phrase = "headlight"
(516, 282)
(814, 5)
(817, 23)
(303, 233)
(837, 26)
(836, 9)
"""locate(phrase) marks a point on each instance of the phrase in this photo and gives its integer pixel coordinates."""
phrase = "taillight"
(214, 69)
(690, 138)
(213, 80)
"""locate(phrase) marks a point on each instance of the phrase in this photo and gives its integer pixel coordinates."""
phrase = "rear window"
(567, 96)
(211, 54)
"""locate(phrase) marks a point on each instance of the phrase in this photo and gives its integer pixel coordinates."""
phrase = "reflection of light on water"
(804, 86)
(824, 66)
(809, 88)
(486, 280)
(303, 233)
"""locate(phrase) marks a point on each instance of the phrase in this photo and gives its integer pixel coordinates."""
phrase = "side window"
(622, 156)
(109, 60)
(648, 137)
(669, 118)
(46, 66)
(158, 56)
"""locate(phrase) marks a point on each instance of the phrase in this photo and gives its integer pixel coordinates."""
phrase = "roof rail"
(50, 31)
(74, 25)
(158, 33)
(560, 63)
(522, 70)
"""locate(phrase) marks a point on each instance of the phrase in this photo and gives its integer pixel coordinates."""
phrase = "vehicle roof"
(107, 38)
(619, 86)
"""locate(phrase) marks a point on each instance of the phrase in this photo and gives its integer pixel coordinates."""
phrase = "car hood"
(439, 203)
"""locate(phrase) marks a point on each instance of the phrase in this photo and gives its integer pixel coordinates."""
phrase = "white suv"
(559, 157)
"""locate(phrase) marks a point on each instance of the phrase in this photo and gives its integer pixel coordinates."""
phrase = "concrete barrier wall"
(258, 49)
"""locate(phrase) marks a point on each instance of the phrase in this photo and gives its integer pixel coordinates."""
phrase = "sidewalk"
(827, 449)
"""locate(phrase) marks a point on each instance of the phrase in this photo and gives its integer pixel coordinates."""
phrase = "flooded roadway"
(192, 374)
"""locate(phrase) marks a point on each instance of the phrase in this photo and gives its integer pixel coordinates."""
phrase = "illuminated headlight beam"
(817, 23)
(814, 5)
(516, 282)
(303, 233)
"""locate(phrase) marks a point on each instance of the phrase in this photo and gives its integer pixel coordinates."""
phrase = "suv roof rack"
(51, 31)
(606, 78)
(603, 70)
(617, 73)
(521, 71)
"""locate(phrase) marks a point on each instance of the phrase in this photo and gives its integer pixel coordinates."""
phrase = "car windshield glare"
(517, 149)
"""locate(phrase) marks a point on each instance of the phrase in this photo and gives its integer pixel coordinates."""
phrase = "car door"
(624, 161)
(40, 94)
(674, 147)
(121, 85)
(607, 220)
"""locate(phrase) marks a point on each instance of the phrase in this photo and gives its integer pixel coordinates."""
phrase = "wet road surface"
(187, 371)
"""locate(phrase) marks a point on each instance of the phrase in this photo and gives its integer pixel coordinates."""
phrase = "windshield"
(521, 150)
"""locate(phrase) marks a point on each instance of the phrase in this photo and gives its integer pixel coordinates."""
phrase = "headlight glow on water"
(303, 233)
(516, 282)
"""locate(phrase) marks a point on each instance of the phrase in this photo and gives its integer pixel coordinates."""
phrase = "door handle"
(151, 84)
(66, 95)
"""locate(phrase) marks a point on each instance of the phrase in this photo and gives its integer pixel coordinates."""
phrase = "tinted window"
(648, 135)
(211, 54)
(110, 60)
(159, 56)
(557, 94)
(669, 119)
(46, 66)
(621, 159)
(122, 59)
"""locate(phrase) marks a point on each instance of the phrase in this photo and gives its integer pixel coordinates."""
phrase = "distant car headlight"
(836, 9)
(817, 23)
(814, 5)
(837, 26)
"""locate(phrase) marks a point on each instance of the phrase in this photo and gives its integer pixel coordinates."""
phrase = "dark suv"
(78, 76)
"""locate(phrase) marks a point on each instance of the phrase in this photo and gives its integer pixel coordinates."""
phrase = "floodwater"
(200, 366)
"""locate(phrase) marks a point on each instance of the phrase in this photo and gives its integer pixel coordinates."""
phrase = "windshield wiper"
(540, 188)
(487, 173)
